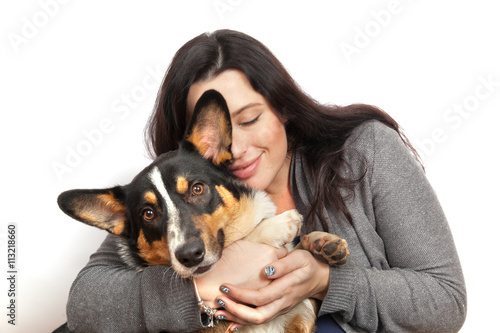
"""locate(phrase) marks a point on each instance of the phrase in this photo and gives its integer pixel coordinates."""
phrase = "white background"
(68, 66)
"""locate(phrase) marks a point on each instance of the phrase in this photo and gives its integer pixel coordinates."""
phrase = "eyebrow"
(243, 108)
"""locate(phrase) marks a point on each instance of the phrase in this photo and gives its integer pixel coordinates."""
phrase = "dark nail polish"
(270, 270)
(221, 303)
(221, 317)
(237, 328)
(225, 289)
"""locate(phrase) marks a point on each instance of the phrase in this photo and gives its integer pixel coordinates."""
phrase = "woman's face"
(259, 144)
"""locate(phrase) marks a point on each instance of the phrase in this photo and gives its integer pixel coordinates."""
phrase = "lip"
(246, 169)
(202, 269)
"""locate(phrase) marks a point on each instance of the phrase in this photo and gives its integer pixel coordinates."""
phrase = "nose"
(191, 253)
(239, 145)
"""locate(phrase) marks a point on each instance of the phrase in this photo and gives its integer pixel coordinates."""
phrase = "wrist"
(205, 292)
(204, 308)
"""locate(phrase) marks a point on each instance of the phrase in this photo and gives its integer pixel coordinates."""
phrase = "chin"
(254, 183)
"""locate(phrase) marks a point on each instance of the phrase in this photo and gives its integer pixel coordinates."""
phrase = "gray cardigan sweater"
(403, 274)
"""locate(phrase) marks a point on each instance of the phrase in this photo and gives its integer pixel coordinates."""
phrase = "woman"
(348, 170)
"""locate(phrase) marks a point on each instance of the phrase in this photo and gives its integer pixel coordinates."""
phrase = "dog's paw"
(330, 248)
(279, 230)
(291, 221)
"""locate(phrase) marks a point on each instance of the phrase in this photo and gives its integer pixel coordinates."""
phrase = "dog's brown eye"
(148, 214)
(198, 189)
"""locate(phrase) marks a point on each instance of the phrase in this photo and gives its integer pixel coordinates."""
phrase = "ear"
(210, 128)
(99, 208)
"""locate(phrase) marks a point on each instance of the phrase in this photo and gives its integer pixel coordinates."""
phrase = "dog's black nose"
(191, 253)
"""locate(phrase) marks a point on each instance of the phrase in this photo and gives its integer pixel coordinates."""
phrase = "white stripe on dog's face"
(175, 237)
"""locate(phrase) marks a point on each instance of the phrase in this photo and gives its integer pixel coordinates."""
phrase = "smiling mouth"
(245, 170)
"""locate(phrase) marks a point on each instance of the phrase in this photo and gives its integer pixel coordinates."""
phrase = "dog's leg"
(277, 231)
(325, 246)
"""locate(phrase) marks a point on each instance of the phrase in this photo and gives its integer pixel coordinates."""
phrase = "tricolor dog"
(185, 208)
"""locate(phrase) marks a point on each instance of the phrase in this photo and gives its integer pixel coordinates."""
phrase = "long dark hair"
(317, 131)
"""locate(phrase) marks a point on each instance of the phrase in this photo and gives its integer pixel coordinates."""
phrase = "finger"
(278, 271)
(270, 270)
(245, 315)
(235, 327)
(285, 265)
(223, 315)
(254, 297)
(281, 252)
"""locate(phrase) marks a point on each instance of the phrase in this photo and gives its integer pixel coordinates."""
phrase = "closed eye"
(251, 122)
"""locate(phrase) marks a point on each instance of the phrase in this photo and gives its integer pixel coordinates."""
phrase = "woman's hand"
(242, 264)
(294, 278)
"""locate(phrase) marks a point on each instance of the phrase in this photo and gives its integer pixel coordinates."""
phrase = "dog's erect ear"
(98, 208)
(210, 128)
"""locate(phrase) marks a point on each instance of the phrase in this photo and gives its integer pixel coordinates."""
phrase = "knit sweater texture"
(403, 274)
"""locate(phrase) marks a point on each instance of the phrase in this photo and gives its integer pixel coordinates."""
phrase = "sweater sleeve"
(108, 296)
(419, 286)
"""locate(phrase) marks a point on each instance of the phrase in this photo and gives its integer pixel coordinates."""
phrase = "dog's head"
(182, 209)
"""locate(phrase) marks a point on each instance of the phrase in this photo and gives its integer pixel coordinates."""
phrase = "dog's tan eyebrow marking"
(151, 198)
(182, 185)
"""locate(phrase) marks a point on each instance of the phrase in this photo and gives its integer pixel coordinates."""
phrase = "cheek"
(274, 137)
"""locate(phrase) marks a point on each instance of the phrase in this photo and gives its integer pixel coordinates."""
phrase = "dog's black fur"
(185, 208)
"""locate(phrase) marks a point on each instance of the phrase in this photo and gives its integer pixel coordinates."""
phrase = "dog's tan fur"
(240, 213)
